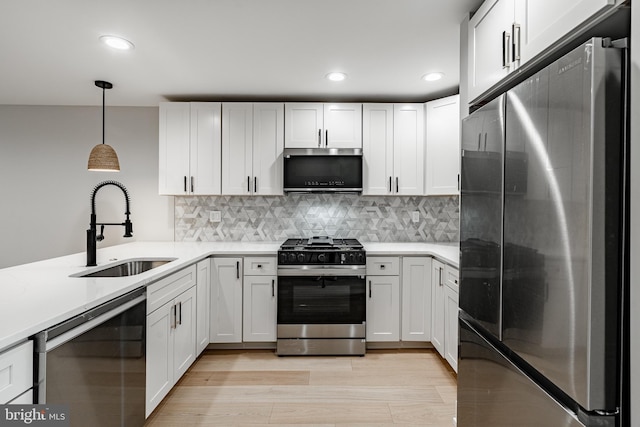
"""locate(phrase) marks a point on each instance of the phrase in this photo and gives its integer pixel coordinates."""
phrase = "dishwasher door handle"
(84, 327)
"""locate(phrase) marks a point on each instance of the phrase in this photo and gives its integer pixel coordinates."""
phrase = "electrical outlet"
(415, 216)
(214, 216)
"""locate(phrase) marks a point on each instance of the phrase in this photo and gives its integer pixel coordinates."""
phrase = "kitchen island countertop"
(41, 294)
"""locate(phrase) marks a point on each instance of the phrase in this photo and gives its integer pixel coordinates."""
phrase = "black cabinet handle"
(180, 313)
(237, 269)
(255, 184)
(440, 276)
(248, 184)
(173, 317)
(397, 186)
(326, 138)
(192, 184)
(369, 288)
(273, 287)
(389, 184)
(485, 141)
(319, 137)
(185, 183)
(479, 140)
(382, 266)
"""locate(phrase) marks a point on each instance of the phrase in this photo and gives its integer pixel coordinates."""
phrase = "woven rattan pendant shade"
(103, 157)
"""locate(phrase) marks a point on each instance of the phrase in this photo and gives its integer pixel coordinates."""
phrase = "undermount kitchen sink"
(128, 267)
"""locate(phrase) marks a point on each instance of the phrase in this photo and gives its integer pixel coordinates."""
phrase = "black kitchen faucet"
(92, 234)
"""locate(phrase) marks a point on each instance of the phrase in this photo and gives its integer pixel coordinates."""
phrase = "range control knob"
(283, 258)
(321, 257)
(300, 258)
(292, 257)
(361, 258)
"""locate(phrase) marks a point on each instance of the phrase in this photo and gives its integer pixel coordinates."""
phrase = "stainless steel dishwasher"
(95, 363)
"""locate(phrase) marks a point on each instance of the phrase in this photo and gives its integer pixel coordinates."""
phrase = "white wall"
(45, 187)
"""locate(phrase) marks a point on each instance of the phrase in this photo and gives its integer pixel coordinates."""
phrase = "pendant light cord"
(103, 102)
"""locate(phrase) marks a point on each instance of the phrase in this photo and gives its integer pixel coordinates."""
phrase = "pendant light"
(103, 157)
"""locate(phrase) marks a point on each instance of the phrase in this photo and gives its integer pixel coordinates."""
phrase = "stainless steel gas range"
(321, 297)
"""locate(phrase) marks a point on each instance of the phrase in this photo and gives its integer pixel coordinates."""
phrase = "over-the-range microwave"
(323, 170)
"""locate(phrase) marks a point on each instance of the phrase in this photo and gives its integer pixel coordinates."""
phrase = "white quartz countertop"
(39, 295)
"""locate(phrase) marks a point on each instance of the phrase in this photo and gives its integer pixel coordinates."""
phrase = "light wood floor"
(257, 388)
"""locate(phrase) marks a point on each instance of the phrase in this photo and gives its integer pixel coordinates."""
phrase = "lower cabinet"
(416, 298)
(16, 374)
(203, 293)
(444, 332)
(383, 299)
(171, 333)
(226, 300)
(260, 297)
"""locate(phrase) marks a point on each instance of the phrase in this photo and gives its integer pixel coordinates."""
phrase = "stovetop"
(321, 242)
(321, 250)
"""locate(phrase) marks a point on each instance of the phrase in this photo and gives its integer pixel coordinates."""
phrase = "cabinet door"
(205, 157)
(443, 146)
(383, 308)
(259, 319)
(16, 372)
(159, 356)
(438, 302)
(268, 143)
(451, 327)
(489, 45)
(203, 299)
(544, 22)
(237, 148)
(184, 340)
(377, 149)
(303, 125)
(408, 149)
(416, 299)
(226, 300)
(342, 125)
(173, 135)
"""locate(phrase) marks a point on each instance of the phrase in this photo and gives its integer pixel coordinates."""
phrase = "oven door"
(321, 300)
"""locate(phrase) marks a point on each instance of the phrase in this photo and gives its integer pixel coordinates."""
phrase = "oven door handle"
(351, 271)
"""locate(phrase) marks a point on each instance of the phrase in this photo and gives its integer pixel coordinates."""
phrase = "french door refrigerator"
(542, 248)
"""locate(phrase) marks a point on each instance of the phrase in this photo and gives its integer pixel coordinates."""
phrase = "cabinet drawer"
(164, 290)
(451, 278)
(260, 266)
(16, 371)
(383, 266)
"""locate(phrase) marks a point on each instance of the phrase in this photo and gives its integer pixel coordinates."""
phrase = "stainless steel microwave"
(323, 170)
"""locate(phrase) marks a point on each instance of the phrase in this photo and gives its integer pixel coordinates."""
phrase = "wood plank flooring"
(258, 388)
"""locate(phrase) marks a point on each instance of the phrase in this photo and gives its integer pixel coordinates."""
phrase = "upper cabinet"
(503, 35)
(393, 149)
(252, 145)
(443, 145)
(189, 148)
(336, 125)
(489, 45)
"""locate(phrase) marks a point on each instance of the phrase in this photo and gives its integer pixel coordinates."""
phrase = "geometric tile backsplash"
(275, 218)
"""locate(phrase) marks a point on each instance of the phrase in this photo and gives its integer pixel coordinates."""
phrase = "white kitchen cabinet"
(189, 148)
(260, 299)
(490, 45)
(442, 130)
(252, 145)
(416, 299)
(451, 317)
(203, 299)
(393, 149)
(16, 373)
(444, 333)
(335, 125)
(383, 299)
(226, 300)
(171, 333)
(503, 35)
(438, 303)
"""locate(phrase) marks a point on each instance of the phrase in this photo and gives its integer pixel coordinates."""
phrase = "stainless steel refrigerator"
(542, 248)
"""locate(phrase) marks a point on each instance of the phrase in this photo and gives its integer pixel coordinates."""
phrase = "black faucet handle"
(128, 229)
(100, 237)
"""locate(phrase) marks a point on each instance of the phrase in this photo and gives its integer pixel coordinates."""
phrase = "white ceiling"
(228, 50)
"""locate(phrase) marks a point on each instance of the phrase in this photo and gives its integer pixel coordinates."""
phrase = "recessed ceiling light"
(117, 42)
(432, 77)
(336, 77)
